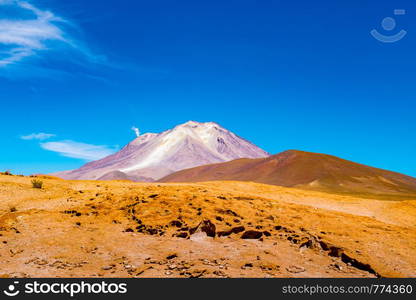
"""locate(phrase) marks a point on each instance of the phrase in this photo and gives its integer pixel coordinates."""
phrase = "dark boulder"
(176, 223)
(234, 230)
(252, 235)
(205, 226)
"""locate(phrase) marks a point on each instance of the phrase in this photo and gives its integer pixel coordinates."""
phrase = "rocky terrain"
(211, 229)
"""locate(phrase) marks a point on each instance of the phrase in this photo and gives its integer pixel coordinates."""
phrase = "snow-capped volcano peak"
(185, 146)
(143, 138)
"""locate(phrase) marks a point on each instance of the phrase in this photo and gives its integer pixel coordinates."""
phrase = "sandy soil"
(125, 229)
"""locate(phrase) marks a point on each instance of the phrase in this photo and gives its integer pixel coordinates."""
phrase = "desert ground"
(211, 229)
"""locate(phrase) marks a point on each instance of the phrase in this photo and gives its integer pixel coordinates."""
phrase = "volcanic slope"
(306, 170)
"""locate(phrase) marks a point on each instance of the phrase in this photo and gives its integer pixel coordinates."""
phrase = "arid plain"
(127, 229)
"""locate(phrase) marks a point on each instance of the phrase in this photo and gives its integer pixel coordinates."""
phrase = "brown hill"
(305, 170)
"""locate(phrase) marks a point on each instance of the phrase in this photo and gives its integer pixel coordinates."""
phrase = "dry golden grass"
(124, 229)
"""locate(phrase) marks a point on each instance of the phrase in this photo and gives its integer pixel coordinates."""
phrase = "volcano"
(152, 156)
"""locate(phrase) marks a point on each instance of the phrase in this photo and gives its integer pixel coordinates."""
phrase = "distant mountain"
(152, 156)
(304, 170)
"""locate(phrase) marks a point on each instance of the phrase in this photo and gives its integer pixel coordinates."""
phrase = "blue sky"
(75, 76)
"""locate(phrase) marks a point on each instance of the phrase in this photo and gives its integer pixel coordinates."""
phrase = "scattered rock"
(295, 269)
(243, 198)
(247, 265)
(176, 223)
(324, 245)
(142, 269)
(205, 226)
(335, 251)
(252, 234)
(183, 235)
(196, 273)
(152, 231)
(234, 230)
(238, 229)
(220, 273)
(171, 256)
(311, 243)
(268, 266)
(357, 264)
(227, 212)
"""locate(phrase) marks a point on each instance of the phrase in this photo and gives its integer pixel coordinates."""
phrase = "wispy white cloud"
(21, 38)
(136, 131)
(28, 36)
(78, 150)
(37, 136)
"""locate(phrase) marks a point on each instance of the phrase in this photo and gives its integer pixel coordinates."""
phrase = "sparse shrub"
(37, 184)
(7, 172)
